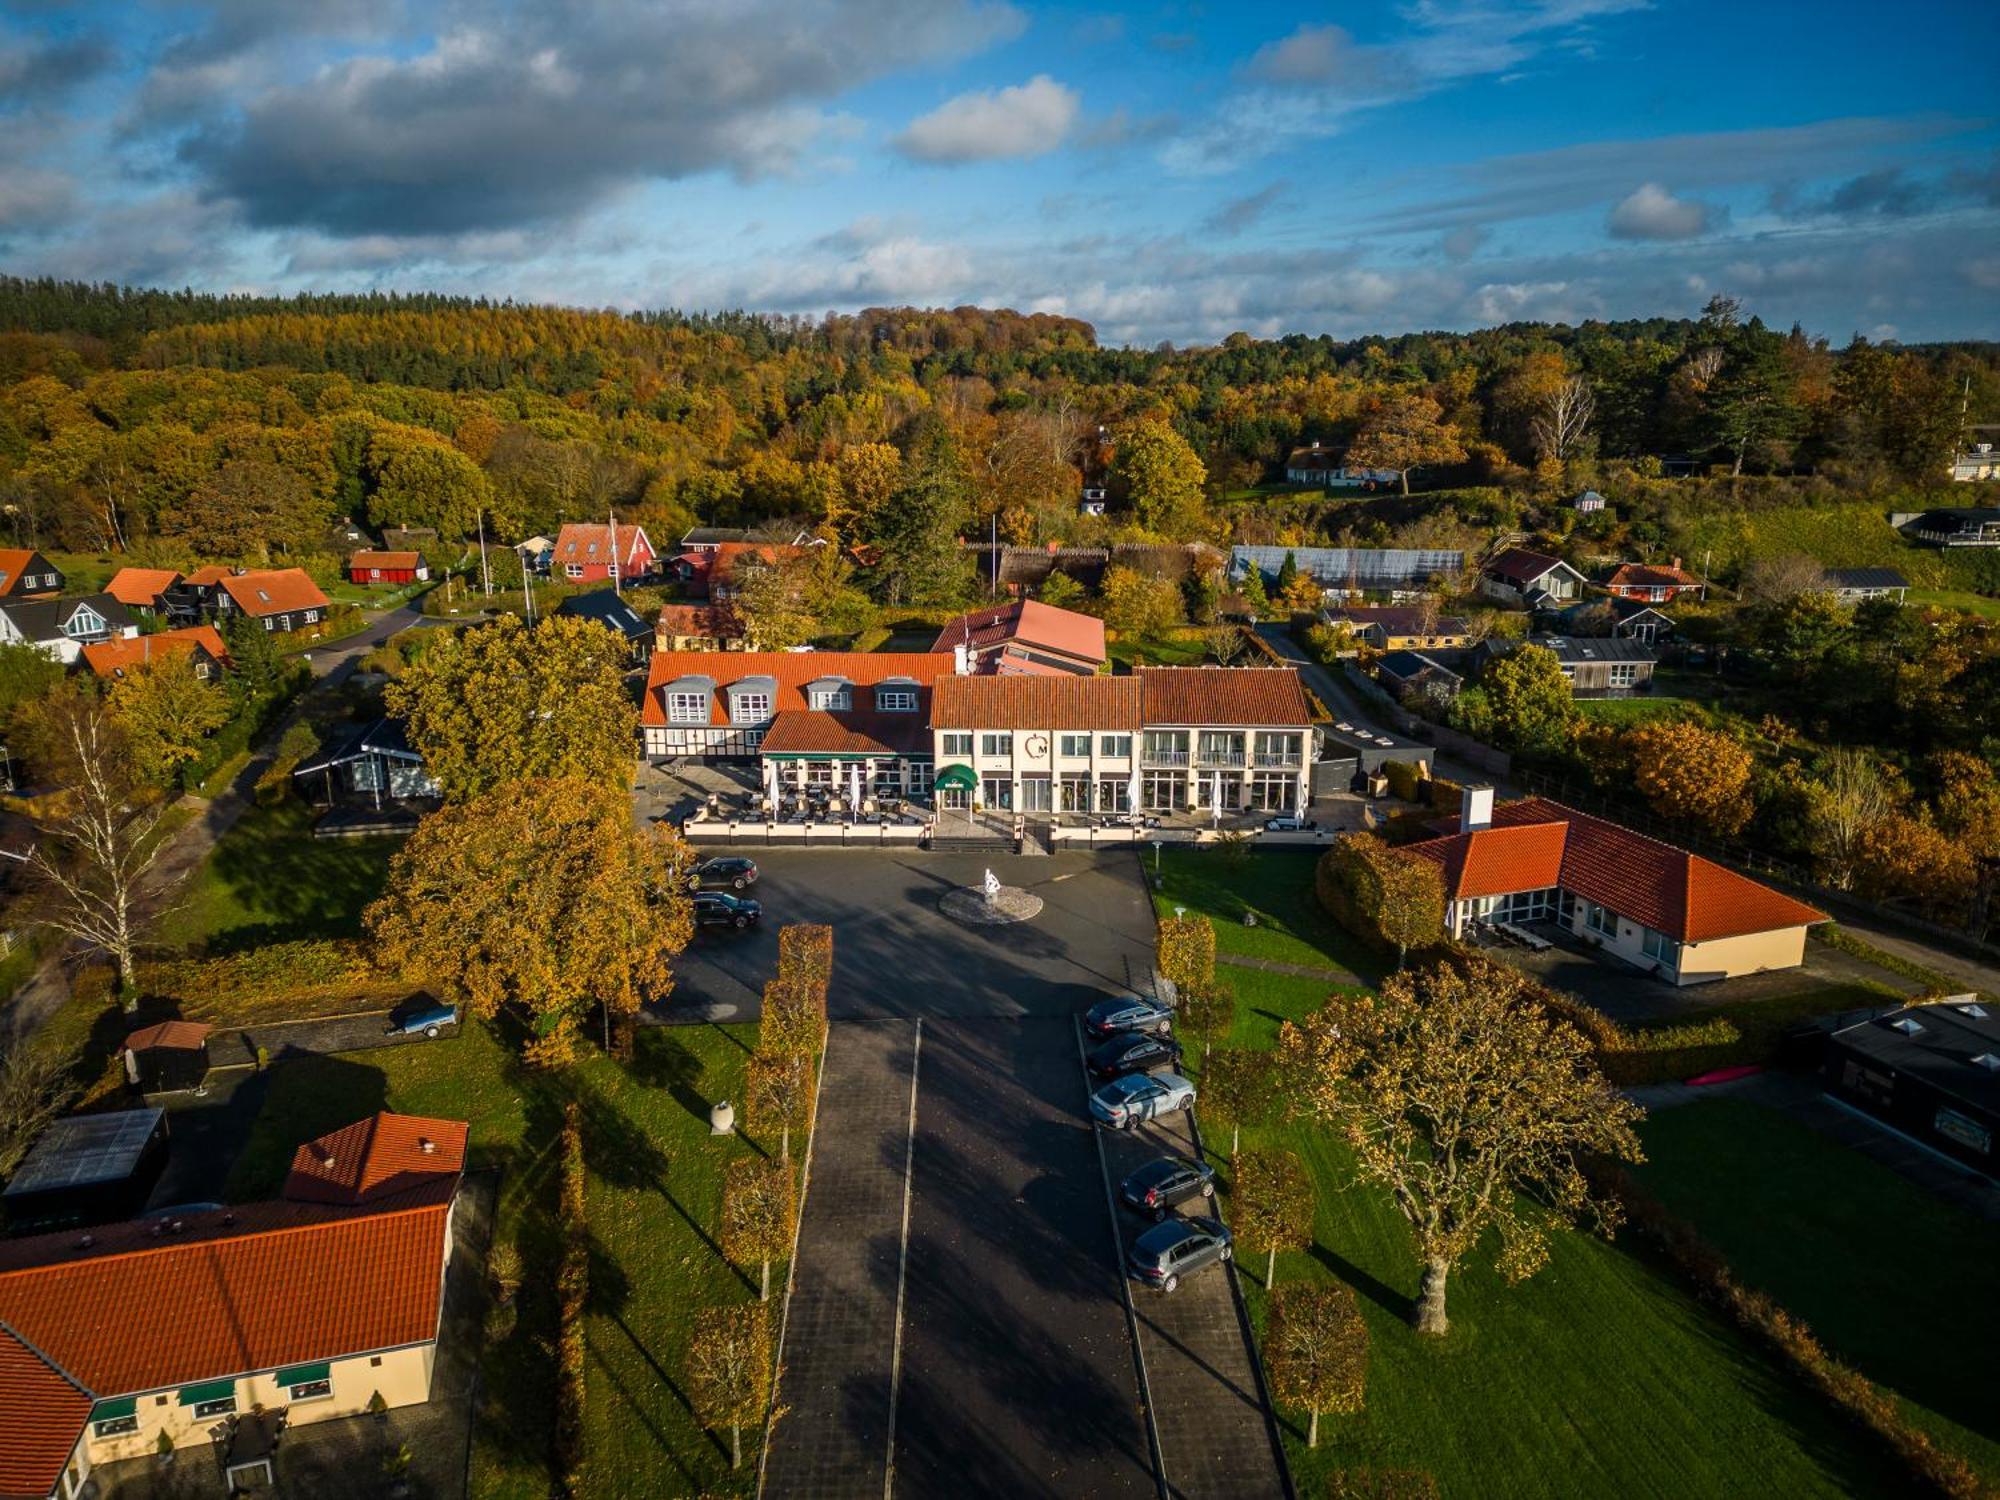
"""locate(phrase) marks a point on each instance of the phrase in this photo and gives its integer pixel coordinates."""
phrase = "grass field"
(1633, 710)
(654, 1198)
(1158, 651)
(1880, 1269)
(1599, 1376)
(1983, 605)
(270, 881)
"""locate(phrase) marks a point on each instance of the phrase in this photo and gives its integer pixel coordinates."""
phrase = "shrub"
(274, 973)
(805, 958)
(792, 1024)
(299, 741)
(572, 1293)
(1405, 781)
(1185, 952)
(1390, 900)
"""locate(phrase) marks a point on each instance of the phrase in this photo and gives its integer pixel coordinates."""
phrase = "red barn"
(388, 567)
(583, 554)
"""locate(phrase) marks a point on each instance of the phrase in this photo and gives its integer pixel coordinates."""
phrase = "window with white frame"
(220, 1407)
(311, 1390)
(831, 698)
(1115, 746)
(115, 1426)
(1075, 746)
(687, 708)
(957, 744)
(750, 708)
(921, 772)
(1624, 673)
(896, 700)
(1601, 920)
(574, 570)
(996, 744)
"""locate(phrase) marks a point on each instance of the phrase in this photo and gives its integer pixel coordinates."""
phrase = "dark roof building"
(609, 609)
(1856, 585)
(1931, 1071)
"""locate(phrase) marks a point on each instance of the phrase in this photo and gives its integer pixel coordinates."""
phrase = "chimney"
(1475, 808)
(961, 659)
(328, 1160)
(1677, 565)
(426, 1145)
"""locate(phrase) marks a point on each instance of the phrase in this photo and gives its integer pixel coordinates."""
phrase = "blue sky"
(1170, 172)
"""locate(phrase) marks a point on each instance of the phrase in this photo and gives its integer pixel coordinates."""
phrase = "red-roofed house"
(277, 598)
(711, 573)
(1518, 576)
(1650, 584)
(1027, 637)
(26, 574)
(312, 1305)
(115, 657)
(698, 627)
(1679, 916)
(1224, 737)
(144, 591)
(587, 552)
(388, 567)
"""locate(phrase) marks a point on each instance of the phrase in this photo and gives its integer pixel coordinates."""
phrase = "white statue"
(991, 885)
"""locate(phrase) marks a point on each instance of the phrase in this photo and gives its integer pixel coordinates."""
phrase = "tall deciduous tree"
(1531, 703)
(1162, 477)
(1405, 431)
(759, 1213)
(1206, 1014)
(98, 835)
(1471, 1105)
(778, 1092)
(507, 702)
(1845, 794)
(1136, 603)
(1185, 951)
(540, 897)
(167, 712)
(917, 531)
(1692, 775)
(1238, 1085)
(1561, 420)
(1271, 1204)
(729, 1370)
(1316, 1349)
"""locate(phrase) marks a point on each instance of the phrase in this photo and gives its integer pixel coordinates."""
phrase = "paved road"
(332, 663)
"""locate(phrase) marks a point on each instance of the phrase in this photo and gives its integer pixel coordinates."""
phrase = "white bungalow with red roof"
(1685, 919)
(1652, 583)
(310, 1306)
(588, 552)
(1027, 637)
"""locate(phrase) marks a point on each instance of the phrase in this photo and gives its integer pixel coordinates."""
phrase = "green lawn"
(1275, 884)
(1599, 1376)
(270, 881)
(1972, 604)
(1884, 1272)
(1624, 711)
(654, 1197)
(1158, 651)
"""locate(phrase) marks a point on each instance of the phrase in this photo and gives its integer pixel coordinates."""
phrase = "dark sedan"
(1167, 1254)
(1165, 1182)
(1129, 1013)
(1134, 1052)
(714, 909)
(725, 869)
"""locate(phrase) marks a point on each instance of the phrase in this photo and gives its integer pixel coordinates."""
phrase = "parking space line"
(902, 1264)
(1124, 1281)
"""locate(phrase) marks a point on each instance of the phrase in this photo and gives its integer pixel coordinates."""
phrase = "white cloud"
(1983, 272)
(1650, 212)
(1029, 119)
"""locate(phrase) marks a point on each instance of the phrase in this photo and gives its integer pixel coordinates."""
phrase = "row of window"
(223, 1406)
(1159, 791)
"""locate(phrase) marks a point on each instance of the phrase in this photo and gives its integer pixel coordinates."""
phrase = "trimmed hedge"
(294, 980)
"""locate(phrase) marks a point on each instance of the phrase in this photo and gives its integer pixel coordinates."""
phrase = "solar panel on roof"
(85, 1149)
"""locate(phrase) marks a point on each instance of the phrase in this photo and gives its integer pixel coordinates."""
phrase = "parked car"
(1132, 1052)
(1168, 1253)
(428, 1018)
(1132, 1013)
(1286, 823)
(731, 870)
(1165, 1182)
(715, 909)
(1124, 1102)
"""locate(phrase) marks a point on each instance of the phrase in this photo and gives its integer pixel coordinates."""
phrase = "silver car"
(1124, 1102)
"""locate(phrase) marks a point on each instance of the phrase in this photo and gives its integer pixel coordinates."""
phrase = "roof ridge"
(44, 1356)
(358, 1213)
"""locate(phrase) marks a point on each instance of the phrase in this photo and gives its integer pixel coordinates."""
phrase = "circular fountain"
(989, 904)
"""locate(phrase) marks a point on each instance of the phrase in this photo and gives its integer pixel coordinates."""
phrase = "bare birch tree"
(1562, 419)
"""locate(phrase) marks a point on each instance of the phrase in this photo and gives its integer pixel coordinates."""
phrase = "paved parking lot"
(957, 1323)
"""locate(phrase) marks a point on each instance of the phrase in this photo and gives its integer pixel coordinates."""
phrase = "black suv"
(1165, 1182)
(1134, 1052)
(731, 870)
(714, 909)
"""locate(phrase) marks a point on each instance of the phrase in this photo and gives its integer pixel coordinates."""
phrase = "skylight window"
(1908, 1025)
(1973, 1009)
(266, 598)
(1987, 1061)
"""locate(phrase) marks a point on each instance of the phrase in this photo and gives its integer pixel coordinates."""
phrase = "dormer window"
(898, 696)
(750, 700)
(830, 694)
(687, 708)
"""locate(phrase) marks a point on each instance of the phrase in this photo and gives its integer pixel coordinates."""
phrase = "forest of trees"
(179, 424)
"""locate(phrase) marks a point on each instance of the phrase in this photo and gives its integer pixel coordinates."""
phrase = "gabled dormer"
(752, 700)
(896, 695)
(689, 700)
(831, 694)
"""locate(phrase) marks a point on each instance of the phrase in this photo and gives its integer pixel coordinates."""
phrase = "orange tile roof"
(129, 1308)
(42, 1415)
(717, 620)
(210, 574)
(386, 560)
(275, 591)
(1669, 890)
(1031, 623)
(590, 542)
(141, 587)
(14, 561)
(1021, 702)
(178, 1034)
(120, 654)
(377, 1158)
(791, 670)
(1223, 695)
(801, 731)
(1650, 575)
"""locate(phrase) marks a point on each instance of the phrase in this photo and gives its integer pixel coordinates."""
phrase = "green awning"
(116, 1407)
(208, 1390)
(306, 1374)
(957, 776)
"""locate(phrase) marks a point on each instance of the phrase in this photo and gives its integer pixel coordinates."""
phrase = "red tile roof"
(115, 657)
(376, 1158)
(1223, 695)
(1030, 623)
(209, 575)
(141, 587)
(792, 670)
(590, 542)
(1058, 702)
(274, 592)
(802, 731)
(1669, 890)
(14, 561)
(42, 1415)
(186, 1035)
(158, 1303)
(1650, 575)
(1517, 565)
(395, 561)
(716, 620)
